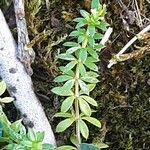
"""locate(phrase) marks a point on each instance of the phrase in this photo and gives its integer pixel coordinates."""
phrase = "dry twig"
(106, 36)
(25, 54)
(114, 61)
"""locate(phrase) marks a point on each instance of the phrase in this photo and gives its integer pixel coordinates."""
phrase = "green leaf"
(16, 147)
(89, 79)
(2, 87)
(67, 103)
(92, 74)
(66, 56)
(81, 38)
(82, 69)
(78, 32)
(31, 135)
(90, 88)
(95, 4)
(85, 146)
(81, 24)
(93, 121)
(84, 129)
(66, 147)
(4, 120)
(94, 16)
(71, 44)
(1, 133)
(91, 41)
(91, 59)
(91, 65)
(40, 136)
(63, 78)
(102, 12)
(14, 135)
(63, 115)
(61, 91)
(78, 19)
(89, 100)
(18, 127)
(101, 145)
(13, 146)
(26, 143)
(4, 139)
(69, 66)
(70, 72)
(6, 99)
(99, 47)
(74, 139)
(63, 125)
(91, 30)
(74, 33)
(72, 49)
(83, 87)
(83, 55)
(98, 36)
(103, 26)
(47, 147)
(69, 84)
(85, 14)
(84, 106)
(93, 53)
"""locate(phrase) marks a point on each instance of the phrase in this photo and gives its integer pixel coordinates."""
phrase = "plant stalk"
(77, 75)
(77, 105)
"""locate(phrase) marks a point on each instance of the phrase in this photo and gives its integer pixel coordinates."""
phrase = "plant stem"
(77, 105)
(77, 75)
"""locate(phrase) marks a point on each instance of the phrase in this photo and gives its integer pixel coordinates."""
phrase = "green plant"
(2, 90)
(14, 136)
(3, 100)
(80, 74)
